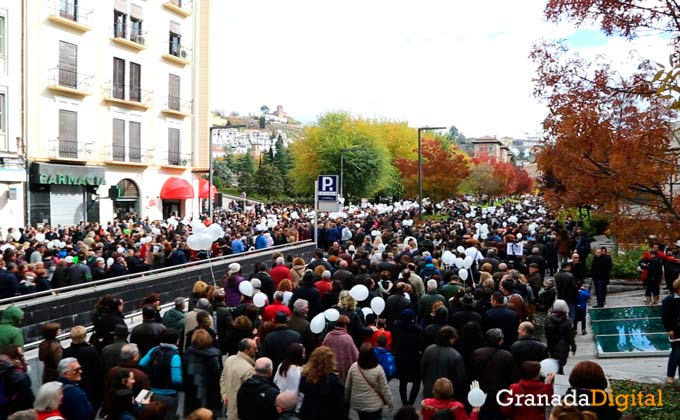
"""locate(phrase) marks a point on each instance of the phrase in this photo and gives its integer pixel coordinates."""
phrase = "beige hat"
(234, 268)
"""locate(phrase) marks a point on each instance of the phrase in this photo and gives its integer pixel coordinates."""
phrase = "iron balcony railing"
(71, 10)
(175, 158)
(175, 48)
(131, 31)
(70, 149)
(132, 93)
(118, 153)
(174, 103)
(69, 78)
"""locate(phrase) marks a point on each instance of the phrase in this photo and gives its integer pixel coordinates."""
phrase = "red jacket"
(523, 387)
(432, 405)
(324, 287)
(374, 338)
(279, 273)
(269, 312)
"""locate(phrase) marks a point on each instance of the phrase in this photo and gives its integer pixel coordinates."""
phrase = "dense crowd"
(438, 306)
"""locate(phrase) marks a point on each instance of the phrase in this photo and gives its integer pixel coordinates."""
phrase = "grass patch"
(671, 399)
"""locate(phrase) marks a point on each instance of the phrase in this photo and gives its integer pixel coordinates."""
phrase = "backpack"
(386, 360)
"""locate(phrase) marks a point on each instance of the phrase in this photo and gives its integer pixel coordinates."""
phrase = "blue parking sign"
(328, 187)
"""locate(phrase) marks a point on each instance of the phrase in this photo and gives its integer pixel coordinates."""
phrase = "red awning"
(203, 189)
(176, 189)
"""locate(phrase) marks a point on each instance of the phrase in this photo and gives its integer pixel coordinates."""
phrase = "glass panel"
(625, 313)
(118, 86)
(135, 82)
(639, 343)
(634, 326)
(68, 9)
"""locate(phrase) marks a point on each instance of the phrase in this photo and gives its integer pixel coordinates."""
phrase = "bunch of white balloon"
(202, 237)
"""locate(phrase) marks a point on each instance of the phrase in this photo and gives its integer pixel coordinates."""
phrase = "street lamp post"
(420, 169)
(210, 163)
(342, 167)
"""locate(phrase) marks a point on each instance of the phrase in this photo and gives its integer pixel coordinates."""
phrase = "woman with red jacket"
(514, 408)
(443, 400)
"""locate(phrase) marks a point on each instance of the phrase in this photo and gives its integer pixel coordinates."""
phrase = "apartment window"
(118, 146)
(135, 141)
(173, 146)
(68, 138)
(68, 9)
(135, 82)
(175, 41)
(173, 92)
(135, 23)
(118, 85)
(177, 3)
(3, 122)
(68, 65)
(3, 36)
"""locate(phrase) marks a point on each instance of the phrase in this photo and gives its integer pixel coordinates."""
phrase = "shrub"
(625, 266)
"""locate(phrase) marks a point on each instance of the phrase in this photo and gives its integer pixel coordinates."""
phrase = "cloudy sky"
(433, 62)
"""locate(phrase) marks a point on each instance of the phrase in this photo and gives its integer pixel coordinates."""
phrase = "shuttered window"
(68, 65)
(135, 145)
(118, 86)
(68, 134)
(135, 82)
(118, 146)
(173, 89)
(173, 146)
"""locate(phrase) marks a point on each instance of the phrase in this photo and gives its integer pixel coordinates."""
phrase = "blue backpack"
(386, 360)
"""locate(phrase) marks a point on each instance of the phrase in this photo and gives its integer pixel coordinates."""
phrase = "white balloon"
(205, 240)
(246, 288)
(155, 231)
(463, 274)
(39, 237)
(459, 262)
(286, 297)
(460, 249)
(62, 244)
(519, 236)
(366, 311)
(109, 262)
(471, 252)
(331, 314)
(476, 397)
(120, 249)
(359, 292)
(194, 242)
(260, 299)
(318, 324)
(549, 366)
(215, 231)
(467, 262)
(378, 305)
(448, 258)
(16, 235)
(69, 259)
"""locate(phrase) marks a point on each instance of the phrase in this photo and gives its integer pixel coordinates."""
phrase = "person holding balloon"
(530, 383)
(443, 400)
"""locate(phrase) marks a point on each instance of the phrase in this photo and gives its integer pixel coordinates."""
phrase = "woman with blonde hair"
(297, 271)
(199, 291)
(357, 328)
(324, 394)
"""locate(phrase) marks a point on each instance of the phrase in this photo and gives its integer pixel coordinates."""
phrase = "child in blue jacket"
(581, 306)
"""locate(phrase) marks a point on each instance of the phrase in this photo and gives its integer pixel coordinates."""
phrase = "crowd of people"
(462, 299)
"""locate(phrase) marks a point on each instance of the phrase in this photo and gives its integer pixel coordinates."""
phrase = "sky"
(429, 63)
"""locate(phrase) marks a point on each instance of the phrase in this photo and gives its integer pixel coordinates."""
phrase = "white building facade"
(111, 101)
(12, 163)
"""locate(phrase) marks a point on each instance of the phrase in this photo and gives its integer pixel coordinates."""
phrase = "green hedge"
(671, 399)
(624, 266)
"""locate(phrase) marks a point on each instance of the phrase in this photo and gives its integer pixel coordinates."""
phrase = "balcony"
(69, 82)
(71, 150)
(173, 158)
(127, 155)
(180, 7)
(177, 54)
(126, 96)
(172, 106)
(68, 13)
(130, 36)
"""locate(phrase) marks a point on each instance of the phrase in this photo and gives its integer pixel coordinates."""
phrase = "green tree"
(268, 180)
(222, 171)
(246, 182)
(367, 171)
(245, 163)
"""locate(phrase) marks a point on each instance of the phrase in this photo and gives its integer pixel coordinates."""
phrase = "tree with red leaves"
(444, 168)
(493, 178)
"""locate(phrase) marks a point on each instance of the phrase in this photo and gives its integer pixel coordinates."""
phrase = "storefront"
(126, 206)
(173, 194)
(64, 194)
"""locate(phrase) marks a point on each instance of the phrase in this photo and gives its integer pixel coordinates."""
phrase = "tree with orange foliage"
(444, 168)
(609, 143)
(493, 178)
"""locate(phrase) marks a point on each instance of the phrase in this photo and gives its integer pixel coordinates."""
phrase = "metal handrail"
(69, 9)
(69, 78)
(128, 277)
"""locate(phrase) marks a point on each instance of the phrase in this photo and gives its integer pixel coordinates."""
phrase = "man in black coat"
(565, 283)
(256, 398)
(600, 269)
(147, 335)
(276, 343)
(266, 282)
(527, 346)
(395, 304)
(500, 316)
(308, 292)
(9, 285)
